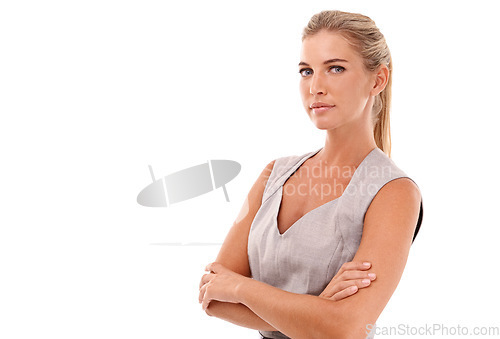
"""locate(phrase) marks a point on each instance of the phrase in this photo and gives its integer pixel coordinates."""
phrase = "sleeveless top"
(306, 257)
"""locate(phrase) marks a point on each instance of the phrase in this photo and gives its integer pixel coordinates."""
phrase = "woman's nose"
(317, 85)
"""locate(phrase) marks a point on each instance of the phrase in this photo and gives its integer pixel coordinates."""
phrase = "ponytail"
(381, 111)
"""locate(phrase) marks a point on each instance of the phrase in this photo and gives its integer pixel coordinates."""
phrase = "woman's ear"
(381, 79)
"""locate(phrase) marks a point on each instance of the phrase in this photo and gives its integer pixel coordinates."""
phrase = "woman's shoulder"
(375, 172)
(378, 166)
(380, 172)
(383, 172)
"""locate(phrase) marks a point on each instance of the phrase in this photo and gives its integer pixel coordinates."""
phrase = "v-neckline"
(280, 191)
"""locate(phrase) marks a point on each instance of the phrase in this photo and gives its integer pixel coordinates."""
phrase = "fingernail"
(372, 275)
(367, 264)
(354, 288)
(365, 281)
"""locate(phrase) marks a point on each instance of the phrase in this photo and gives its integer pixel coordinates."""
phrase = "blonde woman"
(323, 238)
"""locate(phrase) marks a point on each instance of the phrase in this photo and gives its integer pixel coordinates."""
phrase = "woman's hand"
(220, 284)
(349, 279)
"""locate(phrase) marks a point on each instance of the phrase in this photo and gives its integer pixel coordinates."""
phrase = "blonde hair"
(362, 33)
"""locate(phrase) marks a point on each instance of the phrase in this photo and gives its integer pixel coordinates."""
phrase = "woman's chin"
(322, 126)
(324, 122)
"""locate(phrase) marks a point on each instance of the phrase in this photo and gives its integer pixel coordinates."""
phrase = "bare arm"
(388, 231)
(233, 255)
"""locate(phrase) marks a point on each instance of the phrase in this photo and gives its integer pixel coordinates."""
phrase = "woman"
(292, 265)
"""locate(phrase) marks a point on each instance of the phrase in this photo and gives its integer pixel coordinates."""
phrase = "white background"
(92, 92)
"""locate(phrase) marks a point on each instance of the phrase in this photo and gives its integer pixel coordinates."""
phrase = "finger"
(202, 281)
(350, 290)
(203, 290)
(353, 275)
(205, 300)
(345, 293)
(342, 285)
(330, 291)
(338, 283)
(208, 267)
(355, 265)
(338, 287)
(206, 278)
(213, 267)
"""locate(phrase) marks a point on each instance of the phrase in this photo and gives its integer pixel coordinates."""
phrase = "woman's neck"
(347, 146)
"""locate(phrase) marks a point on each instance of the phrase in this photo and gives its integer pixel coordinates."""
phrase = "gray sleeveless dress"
(306, 257)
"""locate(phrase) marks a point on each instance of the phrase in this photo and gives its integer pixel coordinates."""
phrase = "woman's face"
(336, 88)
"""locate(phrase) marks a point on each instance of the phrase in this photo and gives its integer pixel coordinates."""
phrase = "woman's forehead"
(326, 45)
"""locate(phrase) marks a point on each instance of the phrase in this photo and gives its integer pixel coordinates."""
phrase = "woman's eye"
(337, 69)
(305, 72)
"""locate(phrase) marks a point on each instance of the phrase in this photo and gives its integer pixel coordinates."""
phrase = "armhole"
(420, 213)
(419, 222)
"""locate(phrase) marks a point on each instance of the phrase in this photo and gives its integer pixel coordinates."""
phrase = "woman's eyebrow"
(302, 63)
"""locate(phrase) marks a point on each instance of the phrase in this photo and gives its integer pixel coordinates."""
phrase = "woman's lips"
(321, 109)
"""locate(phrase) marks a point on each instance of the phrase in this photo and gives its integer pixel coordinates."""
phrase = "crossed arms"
(228, 293)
